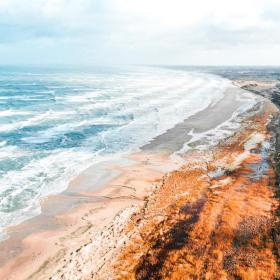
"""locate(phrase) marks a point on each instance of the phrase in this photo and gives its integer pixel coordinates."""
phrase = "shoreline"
(109, 203)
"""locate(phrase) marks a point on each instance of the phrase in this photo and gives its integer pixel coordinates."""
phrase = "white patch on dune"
(253, 141)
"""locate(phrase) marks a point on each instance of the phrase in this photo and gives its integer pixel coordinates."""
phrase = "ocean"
(54, 123)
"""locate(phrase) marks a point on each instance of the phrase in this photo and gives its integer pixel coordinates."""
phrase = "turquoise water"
(54, 123)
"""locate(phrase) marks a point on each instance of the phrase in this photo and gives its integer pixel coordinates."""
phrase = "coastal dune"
(214, 218)
(197, 202)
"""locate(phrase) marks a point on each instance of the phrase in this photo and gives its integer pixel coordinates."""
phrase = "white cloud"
(148, 31)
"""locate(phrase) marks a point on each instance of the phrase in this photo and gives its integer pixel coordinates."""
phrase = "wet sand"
(203, 121)
(81, 231)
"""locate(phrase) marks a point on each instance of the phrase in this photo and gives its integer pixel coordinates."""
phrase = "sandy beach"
(207, 214)
(139, 140)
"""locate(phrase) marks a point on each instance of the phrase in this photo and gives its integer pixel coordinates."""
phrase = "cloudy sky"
(96, 32)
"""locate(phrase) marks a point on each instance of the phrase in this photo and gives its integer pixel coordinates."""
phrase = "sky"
(104, 32)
